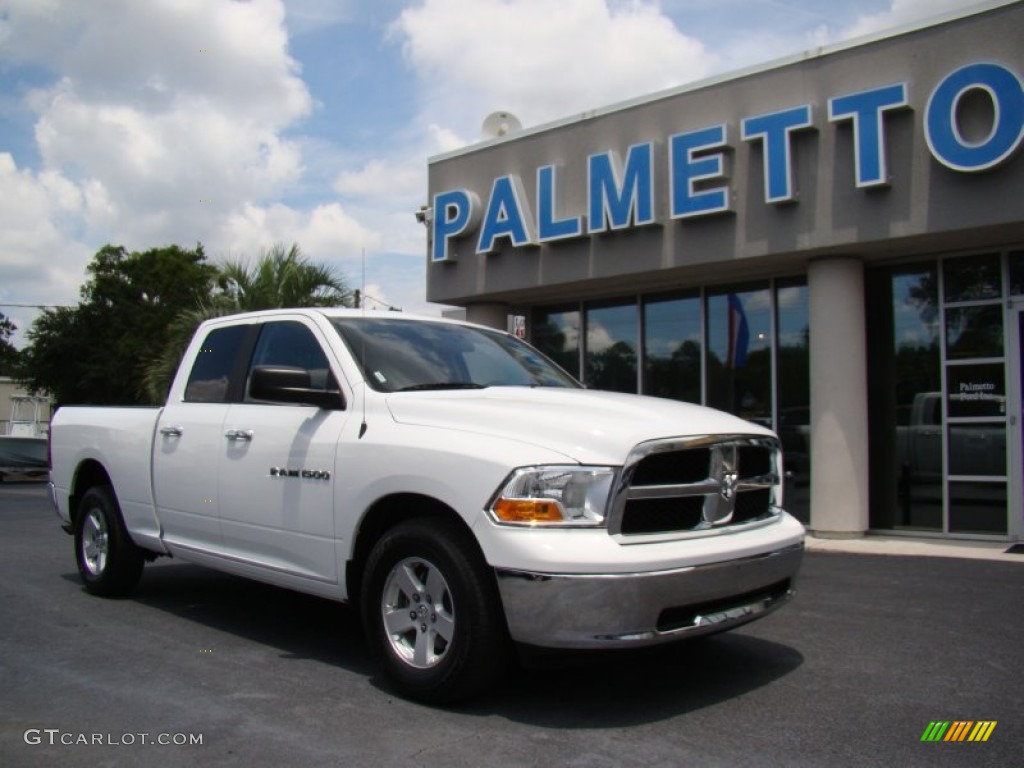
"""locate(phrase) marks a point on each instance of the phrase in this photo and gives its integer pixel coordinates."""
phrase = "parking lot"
(200, 668)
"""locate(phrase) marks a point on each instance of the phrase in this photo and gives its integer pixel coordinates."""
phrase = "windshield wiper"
(441, 385)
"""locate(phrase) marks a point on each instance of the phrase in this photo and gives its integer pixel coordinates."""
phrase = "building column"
(839, 398)
(493, 315)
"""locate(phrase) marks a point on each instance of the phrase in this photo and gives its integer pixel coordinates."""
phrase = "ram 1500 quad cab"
(461, 489)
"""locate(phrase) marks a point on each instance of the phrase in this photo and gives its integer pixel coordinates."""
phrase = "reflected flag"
(739, 334)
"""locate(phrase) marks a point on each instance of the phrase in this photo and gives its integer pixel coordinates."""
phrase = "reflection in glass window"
(794, 382)
(977, 449)
(793, 388)
(611, 358)
(556, 333)
(739, 361)
(972, 278)
(976, 390)
(1016, 260)
(977, 507)
(398, 355)
(208, 381)
(672, 348)
(974, 332)
(904, 393)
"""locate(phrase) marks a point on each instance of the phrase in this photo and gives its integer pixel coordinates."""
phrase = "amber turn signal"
(528, 511)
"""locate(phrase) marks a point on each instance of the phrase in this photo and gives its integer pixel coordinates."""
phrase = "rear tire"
(432, 614)
(109, 562)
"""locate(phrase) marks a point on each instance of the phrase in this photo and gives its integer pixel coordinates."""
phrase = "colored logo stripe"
(935, 731)
(958, 730)
(982, 730)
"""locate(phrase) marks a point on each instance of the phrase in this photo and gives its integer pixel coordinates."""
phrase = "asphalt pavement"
(872, 650)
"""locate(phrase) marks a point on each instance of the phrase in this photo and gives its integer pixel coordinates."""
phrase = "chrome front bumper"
(637, 609)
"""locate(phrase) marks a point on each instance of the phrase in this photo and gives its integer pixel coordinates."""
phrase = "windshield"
(399, 355)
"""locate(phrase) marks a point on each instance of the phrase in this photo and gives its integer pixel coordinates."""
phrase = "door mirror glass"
(286, 384)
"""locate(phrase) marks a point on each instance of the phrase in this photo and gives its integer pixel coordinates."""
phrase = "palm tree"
(282, 279)
(277, 280)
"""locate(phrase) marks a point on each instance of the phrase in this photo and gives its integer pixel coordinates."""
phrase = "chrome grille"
(697, 486)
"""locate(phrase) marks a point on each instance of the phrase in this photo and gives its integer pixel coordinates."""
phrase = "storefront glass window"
(976, 390)
(977, 507)
(905, 397)
(972, 278)
(672, 347)
(611, 350)
(793, 388)
(556, 333)
(739, 364)
(1016, 259)
(977, 449)
(974, 332)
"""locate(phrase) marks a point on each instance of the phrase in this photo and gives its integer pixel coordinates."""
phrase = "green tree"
(9, 356)
(96, 352)
(279, 279)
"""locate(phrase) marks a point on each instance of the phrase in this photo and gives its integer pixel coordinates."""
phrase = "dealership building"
(831, 245)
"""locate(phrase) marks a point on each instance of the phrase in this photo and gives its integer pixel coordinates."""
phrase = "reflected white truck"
(465, 492)
(975, 449)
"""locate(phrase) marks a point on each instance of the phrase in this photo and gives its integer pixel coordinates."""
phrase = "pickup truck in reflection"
(975, 449)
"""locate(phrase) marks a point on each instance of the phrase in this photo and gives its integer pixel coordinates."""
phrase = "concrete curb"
(899, 545)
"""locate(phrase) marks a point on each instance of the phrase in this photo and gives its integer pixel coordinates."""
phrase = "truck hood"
(587, 426)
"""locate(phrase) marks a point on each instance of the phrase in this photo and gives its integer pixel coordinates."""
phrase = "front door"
(277, 477)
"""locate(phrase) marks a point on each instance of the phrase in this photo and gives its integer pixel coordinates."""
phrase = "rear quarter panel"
(121, 441)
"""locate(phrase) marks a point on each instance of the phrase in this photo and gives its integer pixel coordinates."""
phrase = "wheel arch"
(386, 513)
(89, 474)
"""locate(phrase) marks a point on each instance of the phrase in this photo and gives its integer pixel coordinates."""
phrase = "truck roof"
(335, 312)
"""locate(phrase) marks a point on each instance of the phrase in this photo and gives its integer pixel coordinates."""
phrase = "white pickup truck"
(466, 493)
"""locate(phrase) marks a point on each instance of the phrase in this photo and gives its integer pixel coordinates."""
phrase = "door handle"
(172, 431)
(240, 435)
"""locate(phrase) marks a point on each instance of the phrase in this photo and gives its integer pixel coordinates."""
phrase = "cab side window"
(290, 344)
(209, 380)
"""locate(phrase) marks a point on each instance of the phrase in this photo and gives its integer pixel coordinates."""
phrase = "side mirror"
(282, 384)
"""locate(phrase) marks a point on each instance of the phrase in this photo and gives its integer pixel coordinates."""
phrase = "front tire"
(431, 612)
(109, 562)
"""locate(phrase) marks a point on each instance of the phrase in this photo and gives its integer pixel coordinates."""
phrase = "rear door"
(189, 442)
(277, 479)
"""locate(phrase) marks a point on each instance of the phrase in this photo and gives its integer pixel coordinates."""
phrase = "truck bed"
(119, 439)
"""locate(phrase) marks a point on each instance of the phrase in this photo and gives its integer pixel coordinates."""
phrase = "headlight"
(557, 496)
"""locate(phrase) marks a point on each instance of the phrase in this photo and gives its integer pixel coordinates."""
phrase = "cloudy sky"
(242, 123)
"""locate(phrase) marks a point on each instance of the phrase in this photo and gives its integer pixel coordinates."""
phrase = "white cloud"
(444, 139)
(383, 179)
(170, 103)
(385, 192)
(37, 211)
(599, 339)
(163, 120)
(305, 16)
(759, 38)
(899, 13)
(538, 59)
(326, 233)
(41, 262)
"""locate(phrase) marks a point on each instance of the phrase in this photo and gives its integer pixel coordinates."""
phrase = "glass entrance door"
(1014, 421)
